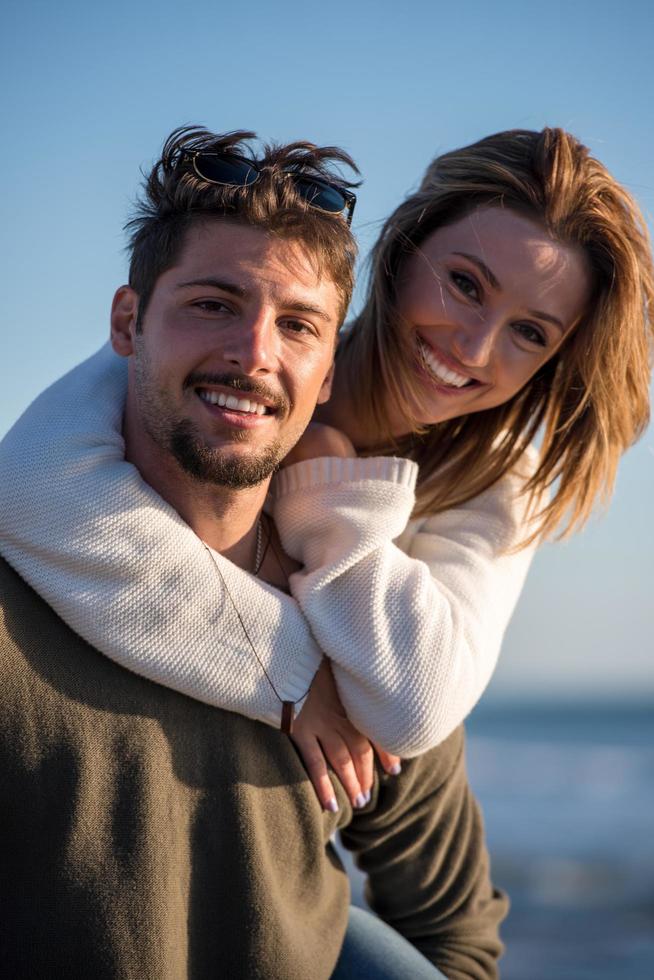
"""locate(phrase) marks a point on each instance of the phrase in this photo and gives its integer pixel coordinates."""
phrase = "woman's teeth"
(439, 371)
(232, 402)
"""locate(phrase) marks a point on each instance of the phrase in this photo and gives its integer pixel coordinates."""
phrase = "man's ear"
(326, 387)
(124, 312)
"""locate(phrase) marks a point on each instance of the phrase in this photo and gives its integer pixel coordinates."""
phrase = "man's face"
(236, 349)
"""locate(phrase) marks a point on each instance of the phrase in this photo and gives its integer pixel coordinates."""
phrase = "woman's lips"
(441, 371)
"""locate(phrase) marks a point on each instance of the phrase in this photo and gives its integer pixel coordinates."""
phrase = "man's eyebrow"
(227, 287)
(493, 280)
(308, 308)
(483, 268)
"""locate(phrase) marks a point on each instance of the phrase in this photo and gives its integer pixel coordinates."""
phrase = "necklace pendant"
(288, 717)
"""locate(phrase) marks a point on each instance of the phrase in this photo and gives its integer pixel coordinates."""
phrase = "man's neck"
(223, 518)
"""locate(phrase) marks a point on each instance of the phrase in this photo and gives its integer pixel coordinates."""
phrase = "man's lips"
(237, 411)
(237, 393)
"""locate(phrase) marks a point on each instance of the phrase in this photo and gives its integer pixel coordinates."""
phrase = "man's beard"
(218, 466)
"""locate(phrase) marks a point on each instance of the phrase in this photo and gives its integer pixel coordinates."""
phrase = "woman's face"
(487, 300)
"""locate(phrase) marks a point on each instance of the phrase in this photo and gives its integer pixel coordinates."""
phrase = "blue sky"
(90, 92)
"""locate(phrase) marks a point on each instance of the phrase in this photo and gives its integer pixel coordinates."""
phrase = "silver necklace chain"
(258, 550)
(288, 707)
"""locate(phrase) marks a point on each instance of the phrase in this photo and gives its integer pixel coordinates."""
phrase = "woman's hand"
(319, 440)
(323, 734)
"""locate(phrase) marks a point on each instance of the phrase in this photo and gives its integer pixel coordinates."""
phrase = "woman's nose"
(474, 342)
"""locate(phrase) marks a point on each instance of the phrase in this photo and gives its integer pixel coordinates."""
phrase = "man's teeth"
(439, 371)
(232, 402)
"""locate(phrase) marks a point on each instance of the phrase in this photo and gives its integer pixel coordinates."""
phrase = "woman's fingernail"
(332, 805)
(368, 795)
(360, 801)
(395, 769)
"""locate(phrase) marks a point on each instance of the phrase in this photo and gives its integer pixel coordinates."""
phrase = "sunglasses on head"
(236, 171)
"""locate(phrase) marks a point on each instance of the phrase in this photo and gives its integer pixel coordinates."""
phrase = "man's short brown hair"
(176, 198)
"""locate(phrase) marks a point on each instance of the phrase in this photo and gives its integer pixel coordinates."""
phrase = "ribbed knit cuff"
(312, 473)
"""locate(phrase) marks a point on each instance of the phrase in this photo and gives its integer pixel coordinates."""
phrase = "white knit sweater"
(413, 628)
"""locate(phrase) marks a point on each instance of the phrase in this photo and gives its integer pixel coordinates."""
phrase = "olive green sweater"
(146, 836)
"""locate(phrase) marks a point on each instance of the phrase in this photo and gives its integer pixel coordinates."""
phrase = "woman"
(508, 296)
(451, 364)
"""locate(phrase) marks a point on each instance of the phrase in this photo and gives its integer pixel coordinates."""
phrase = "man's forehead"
(249, 260)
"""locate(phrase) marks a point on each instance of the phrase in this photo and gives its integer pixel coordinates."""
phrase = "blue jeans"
(374, 951)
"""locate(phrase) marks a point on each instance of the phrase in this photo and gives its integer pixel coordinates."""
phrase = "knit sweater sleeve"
(414, 625)
(412, 642)
(123, 570)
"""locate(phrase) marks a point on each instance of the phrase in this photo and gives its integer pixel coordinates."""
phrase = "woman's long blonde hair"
(590, 401)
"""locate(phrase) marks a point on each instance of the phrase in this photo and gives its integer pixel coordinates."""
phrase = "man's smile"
(240, 411)
(237, 394)
(247, 405)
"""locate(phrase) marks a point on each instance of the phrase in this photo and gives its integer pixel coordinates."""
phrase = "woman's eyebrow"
(483, 268)
(539, 315)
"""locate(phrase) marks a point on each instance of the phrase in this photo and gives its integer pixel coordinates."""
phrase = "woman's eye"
(465, 284)
(531, 333)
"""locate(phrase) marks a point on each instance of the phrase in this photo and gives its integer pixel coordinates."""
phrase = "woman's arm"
(425, 615)
(120, 567)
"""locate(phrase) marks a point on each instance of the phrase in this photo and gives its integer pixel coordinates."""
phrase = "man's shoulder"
(18, 604)
(11, 584)
(28, 625)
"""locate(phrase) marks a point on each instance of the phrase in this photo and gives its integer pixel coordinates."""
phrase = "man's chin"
(235, 470)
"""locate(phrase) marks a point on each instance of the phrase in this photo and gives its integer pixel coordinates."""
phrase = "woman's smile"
(441, 369)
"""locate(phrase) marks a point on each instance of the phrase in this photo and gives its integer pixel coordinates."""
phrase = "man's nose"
(252, 343)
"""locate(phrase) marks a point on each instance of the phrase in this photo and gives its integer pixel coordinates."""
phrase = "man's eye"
(465, 284)
(210, 305)
(297, 326)
(531, 333)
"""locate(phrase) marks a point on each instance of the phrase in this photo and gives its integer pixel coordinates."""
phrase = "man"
(147, 835)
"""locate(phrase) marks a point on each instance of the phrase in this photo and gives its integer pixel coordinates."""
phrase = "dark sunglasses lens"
(225, 170)
(321, 196)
